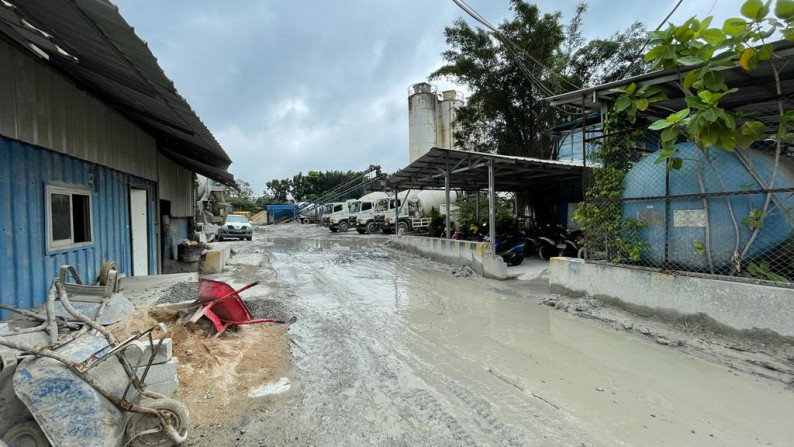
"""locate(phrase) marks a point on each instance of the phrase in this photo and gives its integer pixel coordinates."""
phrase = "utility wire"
(642, 49)
(515, 49)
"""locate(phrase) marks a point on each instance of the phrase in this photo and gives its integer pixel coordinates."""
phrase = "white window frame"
(64, 244)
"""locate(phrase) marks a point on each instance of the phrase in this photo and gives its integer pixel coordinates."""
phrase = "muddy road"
(392, 349)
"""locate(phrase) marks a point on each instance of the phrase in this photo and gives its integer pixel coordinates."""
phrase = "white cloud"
(297, 86)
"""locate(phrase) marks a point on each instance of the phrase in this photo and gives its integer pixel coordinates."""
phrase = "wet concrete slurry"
(391, 349)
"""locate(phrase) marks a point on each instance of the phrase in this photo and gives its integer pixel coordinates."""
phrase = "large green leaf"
(755, 10)
(690, 60)
(734, 26)
(654, 53)
(660, 124)
(713, 80)
(784, 9)
(622, 103)
(713, 36)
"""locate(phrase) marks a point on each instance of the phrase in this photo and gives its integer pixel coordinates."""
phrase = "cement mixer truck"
(346, 217)
(414, 214)
(211, 208)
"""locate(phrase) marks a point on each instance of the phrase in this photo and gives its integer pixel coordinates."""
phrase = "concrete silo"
(431, 119)
(422, 103)
(446, 114)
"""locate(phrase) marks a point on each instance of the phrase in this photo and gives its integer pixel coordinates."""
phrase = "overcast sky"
(288, 86)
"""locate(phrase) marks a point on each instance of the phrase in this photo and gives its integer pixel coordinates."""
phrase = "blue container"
(277, 212)
(685, 220)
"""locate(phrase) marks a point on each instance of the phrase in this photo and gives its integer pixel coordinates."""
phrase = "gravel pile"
(265, 308)
(183, 291)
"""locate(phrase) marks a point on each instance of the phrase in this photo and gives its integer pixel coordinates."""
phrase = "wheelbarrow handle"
(255, 283)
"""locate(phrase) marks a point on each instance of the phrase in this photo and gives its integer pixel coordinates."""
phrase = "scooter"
(512, 251)
(572, 243)
(556, 241)
(547, 243)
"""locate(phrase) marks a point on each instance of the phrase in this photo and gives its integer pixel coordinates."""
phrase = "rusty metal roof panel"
(92, 44)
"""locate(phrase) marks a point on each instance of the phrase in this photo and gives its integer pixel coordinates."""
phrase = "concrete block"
(163, 372)
(141, 351)
(167, 389)
(738, 305)
(215, 260)
(476, 255)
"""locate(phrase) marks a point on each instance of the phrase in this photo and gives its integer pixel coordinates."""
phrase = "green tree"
(304, 188)
(242, 191)
(279, 189)
(506, 111)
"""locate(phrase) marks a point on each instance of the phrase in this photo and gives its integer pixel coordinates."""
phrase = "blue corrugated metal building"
(98, 152)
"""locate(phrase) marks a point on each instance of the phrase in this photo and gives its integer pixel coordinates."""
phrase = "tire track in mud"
(363, 355)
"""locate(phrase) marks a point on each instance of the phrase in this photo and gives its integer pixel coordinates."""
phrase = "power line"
(516, 50)
(642, 49)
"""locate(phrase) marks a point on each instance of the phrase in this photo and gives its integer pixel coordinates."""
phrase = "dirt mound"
(216, 374)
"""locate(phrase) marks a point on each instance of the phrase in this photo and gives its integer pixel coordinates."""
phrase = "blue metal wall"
(26, 268)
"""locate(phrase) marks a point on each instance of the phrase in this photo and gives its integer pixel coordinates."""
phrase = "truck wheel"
(343, 227)
(402, 227)
(26, 433)
(371, 228)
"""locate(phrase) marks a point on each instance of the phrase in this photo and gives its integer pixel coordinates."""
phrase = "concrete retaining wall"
(476, 255)
(736, 305)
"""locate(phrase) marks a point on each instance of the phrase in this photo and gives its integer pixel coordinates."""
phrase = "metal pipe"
(491, 207)
(584, 151)
(477, 211)
(446, 197)
(396, 210)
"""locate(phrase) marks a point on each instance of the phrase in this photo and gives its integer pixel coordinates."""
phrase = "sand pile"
(216, 375)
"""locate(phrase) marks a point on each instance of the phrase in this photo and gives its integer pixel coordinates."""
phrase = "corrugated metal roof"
(469, 171)
(91, 43)
(755, 86)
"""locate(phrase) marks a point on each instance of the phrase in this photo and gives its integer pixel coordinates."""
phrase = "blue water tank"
(686, 219)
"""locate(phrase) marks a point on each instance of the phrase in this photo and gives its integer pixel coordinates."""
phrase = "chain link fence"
(728, 213)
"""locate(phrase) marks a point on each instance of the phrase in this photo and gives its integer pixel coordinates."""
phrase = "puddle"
(620, 388)
(269, 389)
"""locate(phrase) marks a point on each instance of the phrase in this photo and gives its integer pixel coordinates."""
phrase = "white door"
(139, 232)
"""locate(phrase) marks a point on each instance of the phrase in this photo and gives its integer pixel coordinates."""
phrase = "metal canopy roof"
(469, 171)
(89, 42)
(755, 87)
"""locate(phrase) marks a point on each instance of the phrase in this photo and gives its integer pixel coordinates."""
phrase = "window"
(69, 219)
(366, 206)
(236, 218)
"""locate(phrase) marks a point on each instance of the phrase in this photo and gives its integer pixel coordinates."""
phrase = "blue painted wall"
(26, 268)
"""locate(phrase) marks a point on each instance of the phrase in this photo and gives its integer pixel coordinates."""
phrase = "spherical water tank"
(686, 219)
(422, 102)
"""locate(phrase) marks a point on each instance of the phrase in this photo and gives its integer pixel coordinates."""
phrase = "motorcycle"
(512, 251)
(547, 243)
(556, 241)
(572, 243)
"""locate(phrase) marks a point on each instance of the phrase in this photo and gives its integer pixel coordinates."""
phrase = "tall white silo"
(445, 118)
(422, 102)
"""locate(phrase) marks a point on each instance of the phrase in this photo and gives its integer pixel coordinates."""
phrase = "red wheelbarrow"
(222, 305)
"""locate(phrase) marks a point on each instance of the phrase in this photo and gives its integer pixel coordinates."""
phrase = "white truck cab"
(339, 220)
